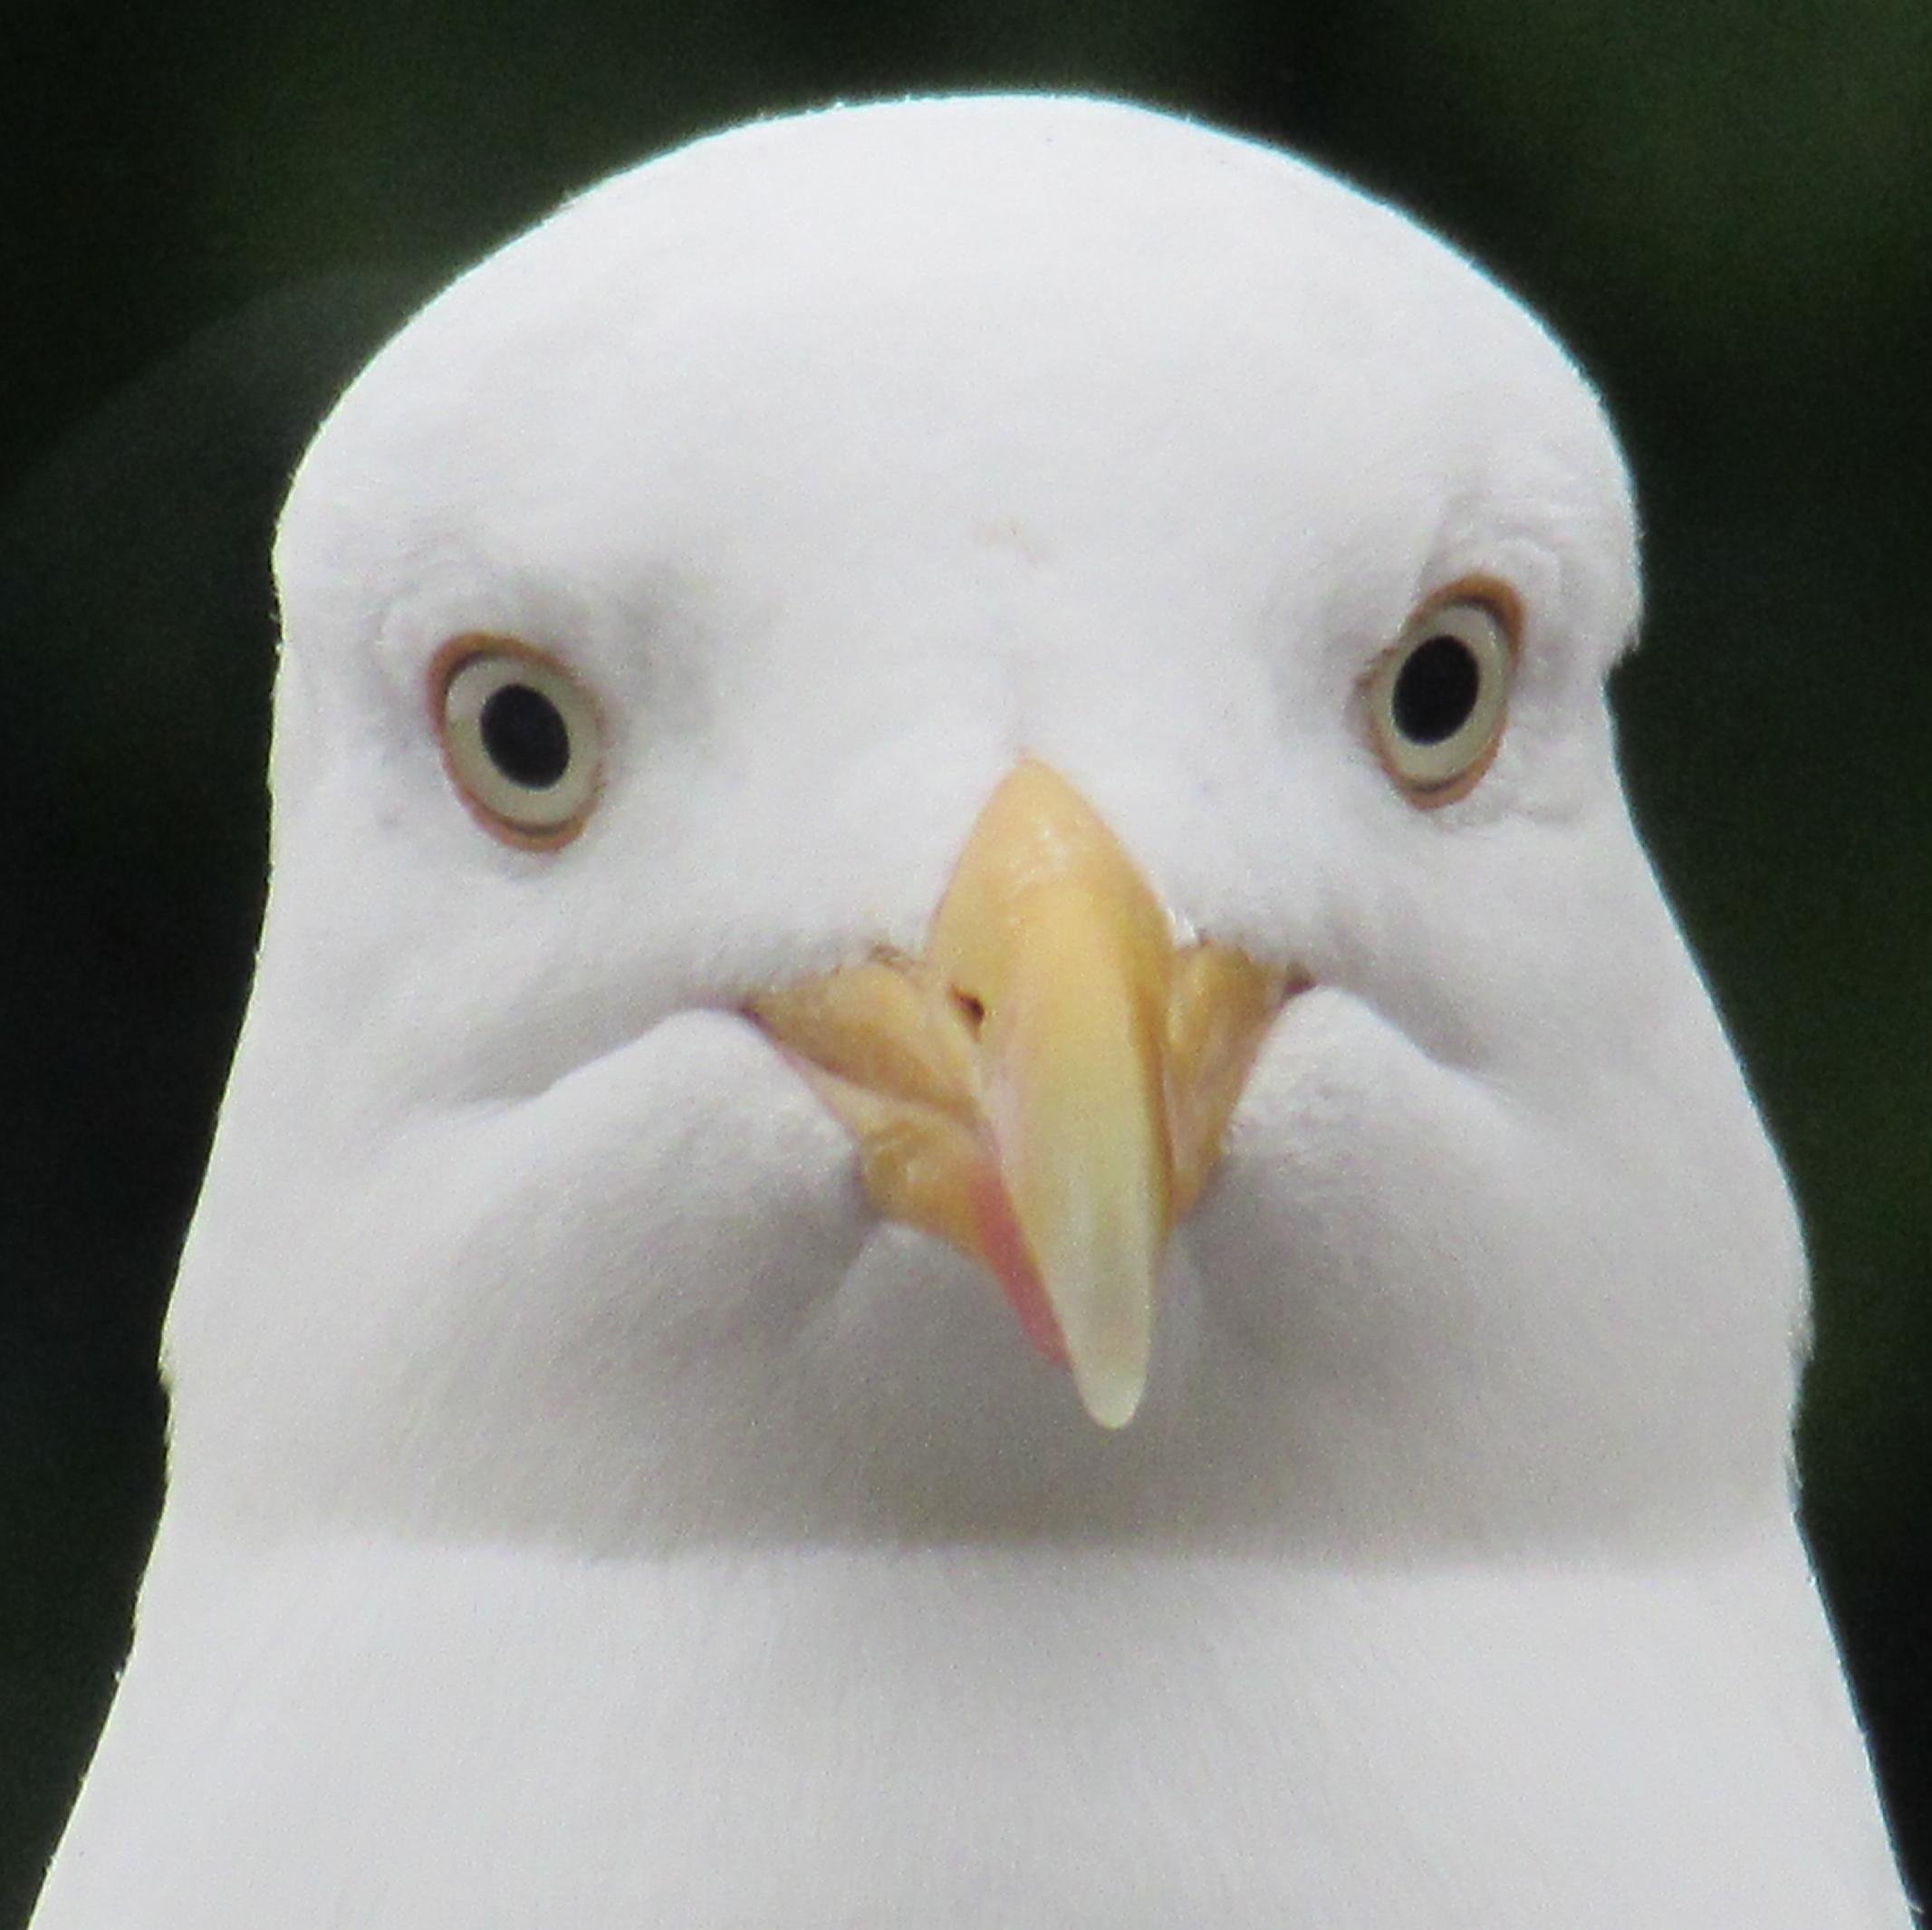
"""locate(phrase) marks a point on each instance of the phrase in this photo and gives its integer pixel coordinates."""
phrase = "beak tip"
(1111, 1397)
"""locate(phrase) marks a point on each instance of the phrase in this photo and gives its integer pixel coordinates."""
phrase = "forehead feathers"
(780, 355)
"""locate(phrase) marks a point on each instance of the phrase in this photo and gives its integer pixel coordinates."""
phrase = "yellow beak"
(1046, 1087)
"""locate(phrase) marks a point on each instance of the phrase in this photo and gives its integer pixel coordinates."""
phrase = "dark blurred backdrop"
(213, 212)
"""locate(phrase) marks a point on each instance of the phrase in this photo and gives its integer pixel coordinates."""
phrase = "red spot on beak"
(1005, 1248)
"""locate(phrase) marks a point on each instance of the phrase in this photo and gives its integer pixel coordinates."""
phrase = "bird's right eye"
(521, 739)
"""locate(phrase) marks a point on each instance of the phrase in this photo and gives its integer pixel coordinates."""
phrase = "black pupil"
(1436, 690)
(526, 736)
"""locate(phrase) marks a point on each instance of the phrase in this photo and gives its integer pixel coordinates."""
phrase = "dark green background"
(211, 214)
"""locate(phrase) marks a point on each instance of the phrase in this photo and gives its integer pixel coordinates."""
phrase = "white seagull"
(974, 1182)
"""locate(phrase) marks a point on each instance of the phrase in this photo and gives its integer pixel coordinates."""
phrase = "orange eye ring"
(1438, 697)
(521, 737)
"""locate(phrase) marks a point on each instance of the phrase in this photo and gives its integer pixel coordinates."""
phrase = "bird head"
(947, 861)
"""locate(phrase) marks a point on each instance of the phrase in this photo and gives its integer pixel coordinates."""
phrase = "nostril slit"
(972, 1010)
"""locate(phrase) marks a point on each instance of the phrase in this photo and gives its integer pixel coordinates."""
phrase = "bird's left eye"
(1437, 699)
(521, 739)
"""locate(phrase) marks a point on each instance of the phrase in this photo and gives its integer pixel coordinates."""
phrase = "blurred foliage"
(215, 212)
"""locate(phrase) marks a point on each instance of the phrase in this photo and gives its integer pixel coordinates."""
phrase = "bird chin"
(912, 1409)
